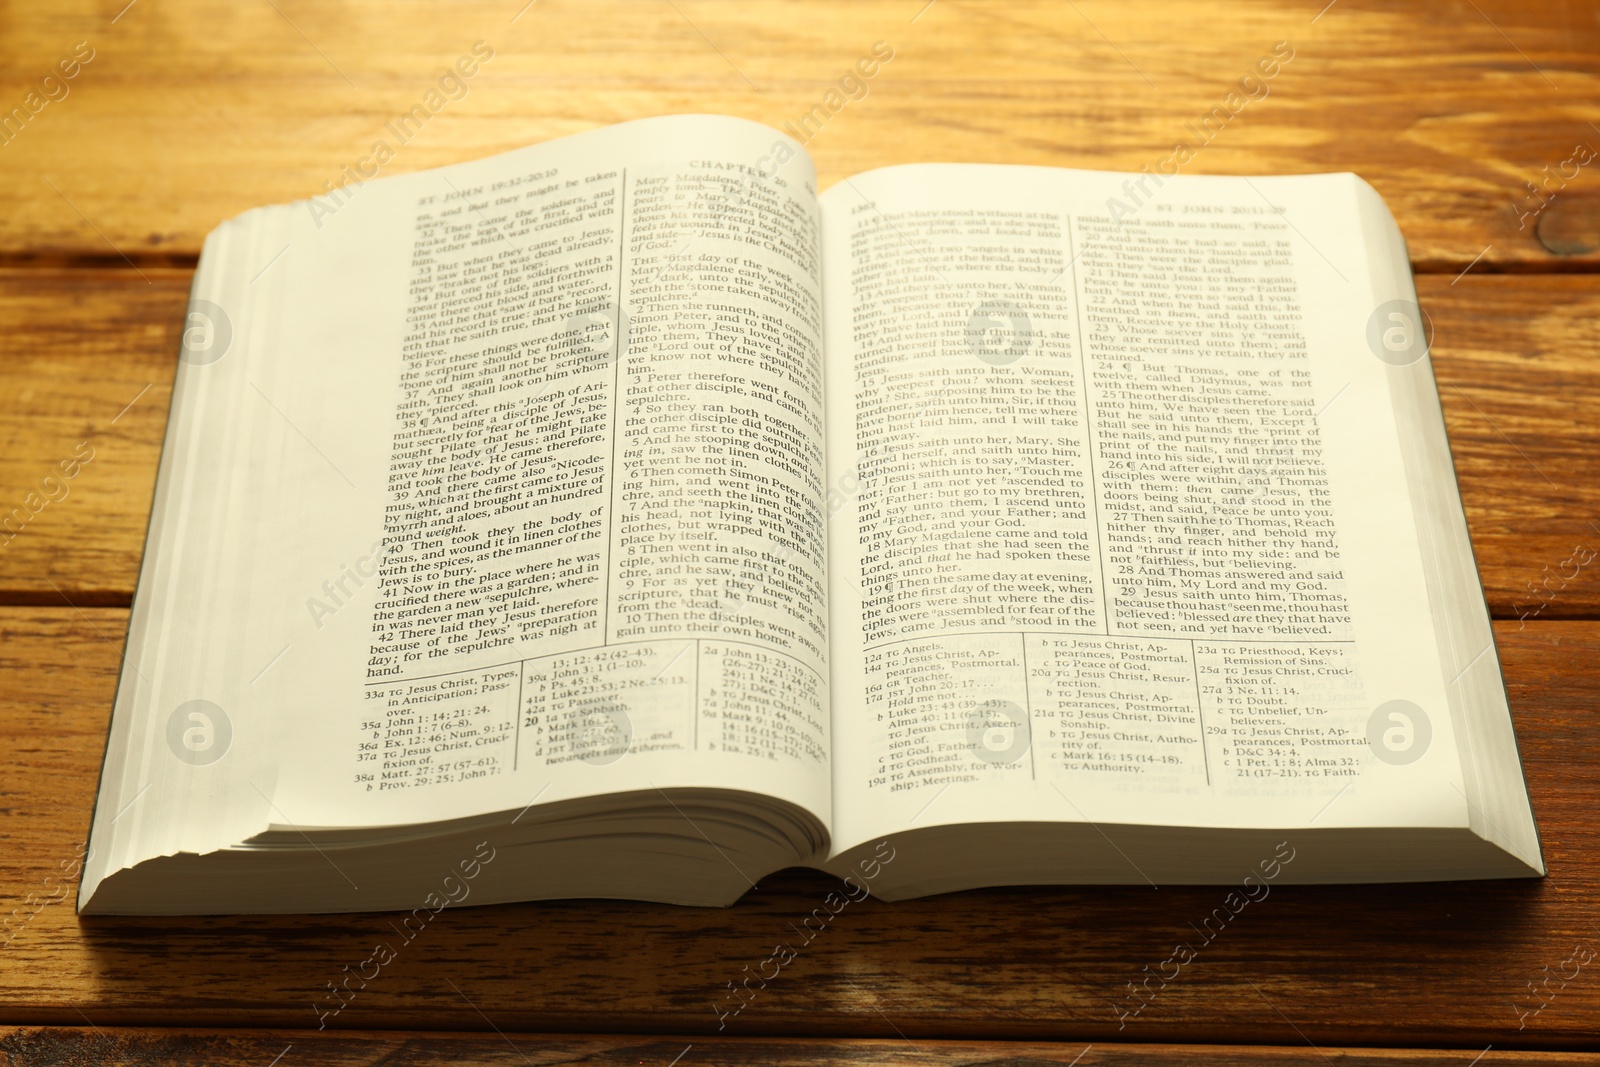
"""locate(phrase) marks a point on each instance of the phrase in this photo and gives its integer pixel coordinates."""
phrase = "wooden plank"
(255, 1048)
(1417, 965)
(1517, 358)
(1517, 363)
(88, 363)
(1449, 110)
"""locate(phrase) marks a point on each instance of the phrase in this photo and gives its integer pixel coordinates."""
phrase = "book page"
(526, 465)
(1119, 525)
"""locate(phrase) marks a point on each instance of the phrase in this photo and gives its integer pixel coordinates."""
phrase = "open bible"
(618, 517)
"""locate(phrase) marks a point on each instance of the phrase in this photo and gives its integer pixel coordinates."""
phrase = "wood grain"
(189, 114)
(1517, 360)
(28, 1046)
(1443, 964)
(192, 112)
(89, 358)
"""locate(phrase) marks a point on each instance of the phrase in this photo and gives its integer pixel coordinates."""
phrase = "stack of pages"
(618, 517)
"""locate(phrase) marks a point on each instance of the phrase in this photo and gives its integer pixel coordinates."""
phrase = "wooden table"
(191, 112)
